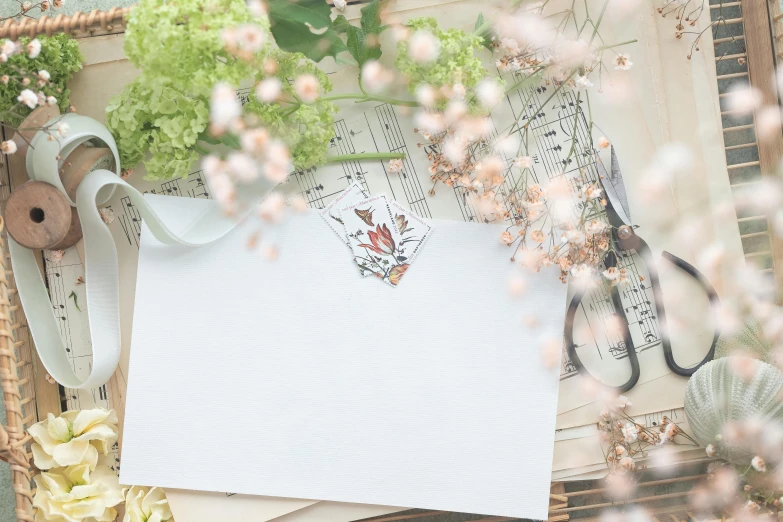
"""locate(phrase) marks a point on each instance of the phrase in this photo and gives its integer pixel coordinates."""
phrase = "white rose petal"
(146, 505)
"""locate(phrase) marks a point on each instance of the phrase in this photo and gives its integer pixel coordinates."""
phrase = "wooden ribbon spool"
(38, 215)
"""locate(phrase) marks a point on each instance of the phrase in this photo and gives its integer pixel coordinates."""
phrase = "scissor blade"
(616, 177)
(615, 189)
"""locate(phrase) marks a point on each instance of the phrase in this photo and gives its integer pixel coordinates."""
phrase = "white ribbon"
(100, 254)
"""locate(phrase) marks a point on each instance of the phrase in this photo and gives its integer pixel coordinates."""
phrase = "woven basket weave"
(79, 25)
(18, 392)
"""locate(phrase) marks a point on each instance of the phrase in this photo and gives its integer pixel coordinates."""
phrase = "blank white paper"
(300, 378)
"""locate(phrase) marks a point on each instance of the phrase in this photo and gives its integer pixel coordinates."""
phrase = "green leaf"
(293, 22)
(371, 17)
(75, 300)
(341, 24)
(483, 30)
(363, 42)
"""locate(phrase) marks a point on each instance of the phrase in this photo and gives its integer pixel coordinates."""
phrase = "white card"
(323, 386)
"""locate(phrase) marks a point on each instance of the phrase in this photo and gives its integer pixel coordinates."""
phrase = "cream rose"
(73, 438)
(146, 505)
(74, 493)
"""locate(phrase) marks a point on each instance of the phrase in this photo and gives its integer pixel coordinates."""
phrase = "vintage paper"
(196, 506)
(321, 384)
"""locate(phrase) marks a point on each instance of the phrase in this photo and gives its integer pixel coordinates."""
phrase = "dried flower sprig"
(27, 7)
(627, 440)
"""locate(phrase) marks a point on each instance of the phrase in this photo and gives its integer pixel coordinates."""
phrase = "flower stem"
(360, 98)
(366, 156)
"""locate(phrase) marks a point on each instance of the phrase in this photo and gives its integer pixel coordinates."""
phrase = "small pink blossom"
(254, 141)
(550, 352)
(375, 76)
(256, 8)
(29, 98)
(630, 432)
(523, 162)
(622, 62)
(269, 89)
(426, 95)
(603, 142)
(278, 162)
(272, 208)
(8, 147)
(56, 255)
(423, 47)
(298, 203)
(270, 252)
(306, 87)
(517, 285)
(395, 166)
(241, 167)
(224, 107)
(582, 83)
(8, 48)
(744, 99)
(107, 215)
(33, 48)
(759, 464)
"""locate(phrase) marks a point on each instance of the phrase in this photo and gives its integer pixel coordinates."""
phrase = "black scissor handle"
(644, 251)
(576, 300)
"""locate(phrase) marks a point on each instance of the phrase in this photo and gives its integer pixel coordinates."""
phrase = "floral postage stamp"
(375, 239)
(331, 214)
(413, 231)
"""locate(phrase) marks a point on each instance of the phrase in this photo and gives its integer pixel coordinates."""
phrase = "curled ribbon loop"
(100, 254)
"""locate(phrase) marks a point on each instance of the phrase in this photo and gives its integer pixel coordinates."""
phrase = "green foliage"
(482, 29)
(178, 47)
(457, 62)
(308, 129)
(151, 115)
(289, 20)
(363, 42)
(60, 56)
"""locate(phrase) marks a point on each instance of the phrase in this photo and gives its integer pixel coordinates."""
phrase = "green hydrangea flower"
(457, 60)
(180, 51)
(308, 130)
(60, 57)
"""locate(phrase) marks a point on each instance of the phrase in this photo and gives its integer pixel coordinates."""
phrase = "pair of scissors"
(625, 240)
